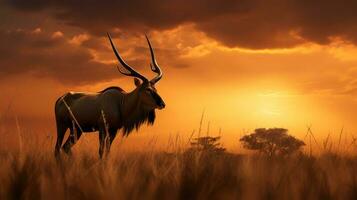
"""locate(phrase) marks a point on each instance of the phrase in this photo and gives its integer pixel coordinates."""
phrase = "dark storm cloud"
(255, 24)
(246, 23)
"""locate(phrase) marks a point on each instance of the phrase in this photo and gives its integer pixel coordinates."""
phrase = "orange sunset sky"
(246, 63)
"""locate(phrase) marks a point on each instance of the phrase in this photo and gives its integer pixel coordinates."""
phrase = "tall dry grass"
(31, 172)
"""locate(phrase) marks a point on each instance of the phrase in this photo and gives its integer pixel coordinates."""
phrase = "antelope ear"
(137, 82)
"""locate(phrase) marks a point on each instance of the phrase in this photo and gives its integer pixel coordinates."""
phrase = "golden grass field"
(30, 171)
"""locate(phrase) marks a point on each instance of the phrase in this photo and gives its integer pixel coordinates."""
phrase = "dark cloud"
(247, 23)
(255, 24)
(50, 55)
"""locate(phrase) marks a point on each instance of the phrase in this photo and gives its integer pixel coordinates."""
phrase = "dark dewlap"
(129, 125)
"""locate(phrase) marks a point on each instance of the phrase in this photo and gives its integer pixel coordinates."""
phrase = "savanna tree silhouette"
(207, 144)
(272, 142)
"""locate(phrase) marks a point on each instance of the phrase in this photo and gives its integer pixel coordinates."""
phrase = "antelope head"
(146, 90)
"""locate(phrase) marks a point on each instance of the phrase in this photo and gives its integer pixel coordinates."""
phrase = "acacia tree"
(272, 141)
(207, 144)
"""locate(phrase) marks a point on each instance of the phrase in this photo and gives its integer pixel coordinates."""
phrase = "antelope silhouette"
(109, 110)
